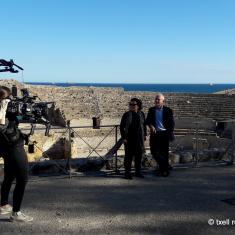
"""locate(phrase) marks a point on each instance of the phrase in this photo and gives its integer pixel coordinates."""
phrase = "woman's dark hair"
(138, 101)
(4, 92)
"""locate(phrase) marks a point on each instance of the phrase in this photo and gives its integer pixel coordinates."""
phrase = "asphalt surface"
(180, 204)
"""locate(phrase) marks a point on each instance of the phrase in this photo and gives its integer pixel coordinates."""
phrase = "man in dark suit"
(161, 123)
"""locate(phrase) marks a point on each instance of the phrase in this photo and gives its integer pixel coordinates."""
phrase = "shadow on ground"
(180, 204)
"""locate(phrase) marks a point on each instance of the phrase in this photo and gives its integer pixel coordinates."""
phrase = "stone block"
(186, 157)
(174, 158)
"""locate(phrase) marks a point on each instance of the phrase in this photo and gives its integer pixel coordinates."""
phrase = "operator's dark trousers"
(15, 168)
(159, 146)
(130, 153)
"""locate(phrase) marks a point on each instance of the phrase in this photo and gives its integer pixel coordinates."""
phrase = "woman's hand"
(152, 129)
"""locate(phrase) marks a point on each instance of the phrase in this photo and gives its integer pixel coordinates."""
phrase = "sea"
(186, 88)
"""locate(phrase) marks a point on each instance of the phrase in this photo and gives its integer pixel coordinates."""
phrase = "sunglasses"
(132, 104)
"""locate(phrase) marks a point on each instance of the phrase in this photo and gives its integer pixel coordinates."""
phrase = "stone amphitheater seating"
(86, 102)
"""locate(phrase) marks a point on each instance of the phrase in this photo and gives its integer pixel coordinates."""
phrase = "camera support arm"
(9, 66)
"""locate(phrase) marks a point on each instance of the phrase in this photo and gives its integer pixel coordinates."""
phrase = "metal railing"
(72, 133)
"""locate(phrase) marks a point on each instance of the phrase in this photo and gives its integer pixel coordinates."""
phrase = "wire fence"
(72, 149)
(68, 148)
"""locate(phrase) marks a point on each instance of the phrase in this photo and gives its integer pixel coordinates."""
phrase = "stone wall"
(110, 103)
(80, 104)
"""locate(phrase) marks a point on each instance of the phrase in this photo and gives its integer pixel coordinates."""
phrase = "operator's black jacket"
(168, 120)
(10, 134)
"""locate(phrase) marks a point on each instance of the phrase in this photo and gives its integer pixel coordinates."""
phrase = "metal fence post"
(233, 143)
(196, 138)
(70, 149)
(116, 138)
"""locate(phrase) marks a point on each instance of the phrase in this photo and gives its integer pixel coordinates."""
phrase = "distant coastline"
(188, 88)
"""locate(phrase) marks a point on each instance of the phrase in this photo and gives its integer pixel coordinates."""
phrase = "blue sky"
(133, 41)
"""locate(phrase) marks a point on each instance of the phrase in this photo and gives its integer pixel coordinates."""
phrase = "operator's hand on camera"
(3, 110)
(10, 97)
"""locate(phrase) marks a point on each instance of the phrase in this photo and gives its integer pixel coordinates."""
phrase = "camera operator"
(15, 161)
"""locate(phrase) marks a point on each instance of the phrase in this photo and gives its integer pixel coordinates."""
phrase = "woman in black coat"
(133, 132)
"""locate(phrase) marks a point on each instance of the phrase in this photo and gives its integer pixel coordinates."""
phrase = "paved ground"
(180, 204)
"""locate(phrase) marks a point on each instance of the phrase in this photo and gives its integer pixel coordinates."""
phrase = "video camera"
(26, 108)
(29, 110)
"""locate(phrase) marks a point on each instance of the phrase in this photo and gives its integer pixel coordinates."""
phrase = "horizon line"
(132, 83)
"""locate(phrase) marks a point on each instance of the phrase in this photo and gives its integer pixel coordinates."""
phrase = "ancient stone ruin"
(81, 104)
(75, 103)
